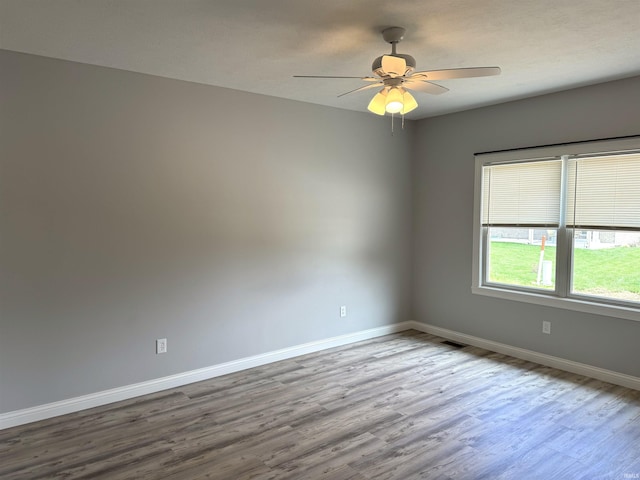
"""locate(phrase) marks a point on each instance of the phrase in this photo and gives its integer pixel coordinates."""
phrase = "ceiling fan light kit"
(378, 103)
(394, 101)
(395, 73)
(408, 103)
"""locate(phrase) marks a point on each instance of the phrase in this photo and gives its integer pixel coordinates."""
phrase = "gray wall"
(443, 208)
(134, 207)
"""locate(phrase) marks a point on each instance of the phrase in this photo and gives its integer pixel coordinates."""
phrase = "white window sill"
(595, 308)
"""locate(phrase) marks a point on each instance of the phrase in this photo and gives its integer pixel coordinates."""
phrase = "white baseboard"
(41, 412)
(610, 376)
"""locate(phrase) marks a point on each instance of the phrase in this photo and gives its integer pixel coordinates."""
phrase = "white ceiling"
(257, 45)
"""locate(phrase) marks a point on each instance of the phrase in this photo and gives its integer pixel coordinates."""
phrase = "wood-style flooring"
(404, 406)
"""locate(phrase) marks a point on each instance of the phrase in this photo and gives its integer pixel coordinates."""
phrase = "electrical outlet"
(343, 311)
(161, 345)
(546, 327)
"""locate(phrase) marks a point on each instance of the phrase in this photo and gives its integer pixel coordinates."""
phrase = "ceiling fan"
(395, 74)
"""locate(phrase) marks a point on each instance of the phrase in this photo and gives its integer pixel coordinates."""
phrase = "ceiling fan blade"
(366, 79)
(424, 86)
(457, 73)
(366, 87)
(394, 66)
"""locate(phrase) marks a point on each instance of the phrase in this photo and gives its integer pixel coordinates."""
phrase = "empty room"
(319, 240)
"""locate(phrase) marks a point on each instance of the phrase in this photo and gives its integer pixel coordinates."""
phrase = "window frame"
(561, 296)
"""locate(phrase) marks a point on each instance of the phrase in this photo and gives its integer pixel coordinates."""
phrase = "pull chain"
(402, 124)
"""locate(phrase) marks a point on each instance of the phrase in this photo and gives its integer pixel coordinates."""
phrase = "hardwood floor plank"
(329, 459)
(543, 463)
(136, 463)
(209, 465)
(94, 420)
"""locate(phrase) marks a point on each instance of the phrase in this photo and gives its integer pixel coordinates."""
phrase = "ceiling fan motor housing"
(376, 67)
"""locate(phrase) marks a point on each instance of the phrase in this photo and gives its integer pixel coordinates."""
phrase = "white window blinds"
(522, 194)
(604, 192)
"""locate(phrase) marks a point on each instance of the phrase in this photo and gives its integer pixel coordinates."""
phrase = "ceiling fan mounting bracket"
(393, 35)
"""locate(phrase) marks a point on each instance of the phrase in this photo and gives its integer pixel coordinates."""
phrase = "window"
(560, 225)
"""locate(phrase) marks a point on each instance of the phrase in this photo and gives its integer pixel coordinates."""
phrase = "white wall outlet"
(546, 327)
(161, 345)
(343, 311)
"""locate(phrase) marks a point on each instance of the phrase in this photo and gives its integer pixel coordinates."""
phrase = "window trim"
(561, 297)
